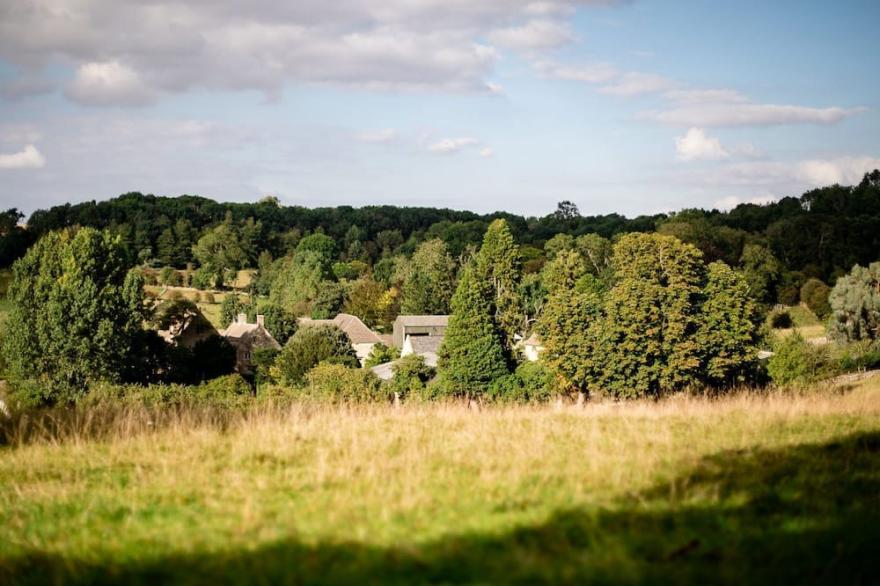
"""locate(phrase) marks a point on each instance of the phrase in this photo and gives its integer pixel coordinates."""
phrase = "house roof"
(425, 344)
(423, 320)
(384, 371)
(533, 340)
(239, 333)
(352, 325)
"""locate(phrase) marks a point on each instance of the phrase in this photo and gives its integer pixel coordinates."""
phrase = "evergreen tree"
(471, 355)
(814, 294)
(77, 314)
(429, 282)
(728, 335)
(498, 271)
(648, 342)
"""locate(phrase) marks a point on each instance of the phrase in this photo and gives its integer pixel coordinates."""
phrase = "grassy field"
(749, 489)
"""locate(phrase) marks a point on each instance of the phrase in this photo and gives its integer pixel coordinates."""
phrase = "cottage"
(247, 338)
(362, 338)
(184, 325)
(532, 348)
(419, 325)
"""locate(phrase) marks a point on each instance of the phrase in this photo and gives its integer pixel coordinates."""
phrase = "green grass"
(780, 489)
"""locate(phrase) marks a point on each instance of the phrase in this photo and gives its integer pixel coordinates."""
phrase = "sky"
(633, 107)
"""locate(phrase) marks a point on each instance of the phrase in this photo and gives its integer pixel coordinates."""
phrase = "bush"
(532, 382)
(814, 294)
(795, 361)
(411, 376)
(196, 297)
(168, 276)
(859, 356)
(780, 319)
(380, 354)
(174, 295)
(336, 383)
(230, 391)
(202, 279)
(310, 346)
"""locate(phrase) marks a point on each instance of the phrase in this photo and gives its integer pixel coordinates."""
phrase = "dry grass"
(438, 488)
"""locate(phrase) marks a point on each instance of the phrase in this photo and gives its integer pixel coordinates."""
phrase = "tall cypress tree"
(498, 272)
(471, 356)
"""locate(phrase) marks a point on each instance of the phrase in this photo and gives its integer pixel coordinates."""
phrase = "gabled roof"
(425, 344)
(533, 340)
(423, 320)
(243, 333)
(352, 325)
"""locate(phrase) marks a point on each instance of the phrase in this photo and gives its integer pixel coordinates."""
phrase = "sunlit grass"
(686, 489)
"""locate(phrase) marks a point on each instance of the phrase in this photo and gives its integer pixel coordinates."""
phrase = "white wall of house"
(362, 351)
(532, 352)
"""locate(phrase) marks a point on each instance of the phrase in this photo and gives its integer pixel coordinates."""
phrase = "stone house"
(246, 338)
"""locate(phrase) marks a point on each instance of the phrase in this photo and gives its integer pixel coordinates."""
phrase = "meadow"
(752, 488)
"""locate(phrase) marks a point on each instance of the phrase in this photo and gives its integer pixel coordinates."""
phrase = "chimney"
(261, 321)
(241, 319)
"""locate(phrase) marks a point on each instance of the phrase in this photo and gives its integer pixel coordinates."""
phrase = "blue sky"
(631, 107)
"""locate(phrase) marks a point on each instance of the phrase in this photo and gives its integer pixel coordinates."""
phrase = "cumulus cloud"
(697, 145)
(535, 34)
(585, 72)
(109, 83)
(124, 50)
(448, 146)
(27, 158)
(844, 170)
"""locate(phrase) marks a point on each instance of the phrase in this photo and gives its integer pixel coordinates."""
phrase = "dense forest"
(820, 234)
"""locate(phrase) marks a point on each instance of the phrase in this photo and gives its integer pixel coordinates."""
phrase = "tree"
(763, 272)
(329, 300)
(855, 304)
(77, 314)
(365, 300)
(220, 252)
(380, 354)
(814, 294)
(320, 244)
(566, 326)
(648, 343)
(728, 334)
(230, 307)
(281, 323)
(430, 281)
(566, 210)
(298, 280)
(471, 355)
(309, 346)
(498, 270)
(596, 251)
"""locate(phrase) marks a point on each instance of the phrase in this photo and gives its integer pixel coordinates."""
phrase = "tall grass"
(745, 488)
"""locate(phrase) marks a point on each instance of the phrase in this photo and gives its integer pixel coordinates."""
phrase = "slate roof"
(423, 320)
(352, 325)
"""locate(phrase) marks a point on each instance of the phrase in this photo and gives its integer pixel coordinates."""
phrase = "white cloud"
(377, 136)
(844, 170)
(487, 152)
(535, 34)
(27, 158)
(635, 83)
(696, 145)
(587, 72)
(448, 146)
(748, 114)
(731, 201)
(109, 83)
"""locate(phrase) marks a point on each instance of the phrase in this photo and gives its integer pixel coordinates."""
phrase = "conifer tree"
(498, 271)
(471, 355)
(429, 282)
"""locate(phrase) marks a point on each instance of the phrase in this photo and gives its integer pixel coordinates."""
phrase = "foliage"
(337, 383)
(471, 355)
(728, 334)
(281, 323)
(380, 354)
(411, 376)
(202, 279)
(230, 307)
(763, 272)
(430, 282)
(532, 382)
(230, 391)
(263, 359)
(794, 361)
(780, 319)
(367, 300)
(855, 304)
(309, 346)
(168, 276)
(329, 300)
(321, 244)
(498, 271)
(814, 294)
(77, 314)
(298, 281)
(648, 339)
(220, 251)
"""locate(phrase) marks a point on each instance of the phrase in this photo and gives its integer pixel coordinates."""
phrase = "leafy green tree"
(855, 304)
(298, 281)
(728, 335)
(566, 326)
(310, 346)
(380, 354)
(498, 270)
(365, 300)
(597, 252)
(281, 323)
(430, 280)
(230, 307)
(411, 376)
(794, 361)
(648, 342)
(763, 272)
(329, 300)
(220, 252)
(77, 314)
(471, 355)
(320, 244)
(559, 243)
(814, 294)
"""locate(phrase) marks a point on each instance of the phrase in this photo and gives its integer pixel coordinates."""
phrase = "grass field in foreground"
(784, 489)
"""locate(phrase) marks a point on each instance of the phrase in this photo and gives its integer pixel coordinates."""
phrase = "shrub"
(168, 276)
(230, 391)
(310, 346)
(336, 383)
(202, 279)
(795, 361)
(532, 382)
(855, 304)
(814, 294)
(780, 319)
(859, 356)
(174, 295)
(411, 376)
(380, 354)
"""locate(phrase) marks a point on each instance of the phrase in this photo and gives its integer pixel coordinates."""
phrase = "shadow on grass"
(805, 514)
